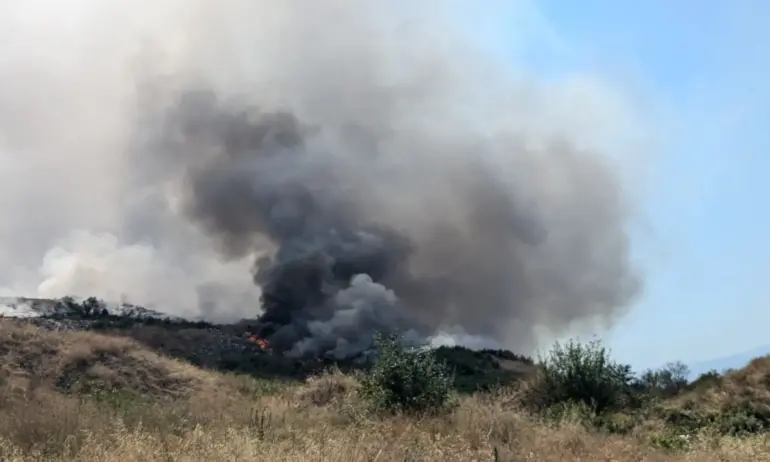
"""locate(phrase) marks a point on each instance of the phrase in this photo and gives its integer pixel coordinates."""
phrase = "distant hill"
(227, 347)
(735, 361)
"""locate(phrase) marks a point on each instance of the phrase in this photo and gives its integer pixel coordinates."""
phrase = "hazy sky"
(701, 72)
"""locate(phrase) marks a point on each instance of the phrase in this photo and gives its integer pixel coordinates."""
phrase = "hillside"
(734, 361)
(74, 395)
(744, 391)
(227, 348)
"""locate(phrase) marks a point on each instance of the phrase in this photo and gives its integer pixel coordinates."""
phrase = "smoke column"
(340, 167)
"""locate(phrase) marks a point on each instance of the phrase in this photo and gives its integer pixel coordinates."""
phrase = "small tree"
(582, 374)
(707, 380)
(405, 381)
(666, 381)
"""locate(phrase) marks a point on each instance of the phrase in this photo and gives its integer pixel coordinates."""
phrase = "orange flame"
(262, 343)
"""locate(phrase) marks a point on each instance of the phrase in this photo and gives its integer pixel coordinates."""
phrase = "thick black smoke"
(366, 160)
(330, 284)
(345, 267)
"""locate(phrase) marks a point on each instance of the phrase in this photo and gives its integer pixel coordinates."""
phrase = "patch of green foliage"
(665, 382)
(739, 421)
(580, 382)
(413, 382)
(479, 370)
(585, 374)
(706, 380)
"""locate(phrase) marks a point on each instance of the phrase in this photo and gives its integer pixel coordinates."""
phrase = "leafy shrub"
(665, 382)
(743, 420)
(582, 374)
(741, 423)
(706, 380)
(405, 381)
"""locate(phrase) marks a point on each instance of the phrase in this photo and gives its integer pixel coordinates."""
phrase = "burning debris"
(262, 343)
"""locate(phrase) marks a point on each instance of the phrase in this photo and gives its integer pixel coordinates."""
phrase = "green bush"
(406, 381)
(582, 374)
(741, 423)
(742, 420)
(665, 382)
(706, 380)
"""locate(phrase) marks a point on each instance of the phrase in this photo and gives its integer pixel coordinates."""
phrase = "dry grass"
(157, 409)
(747, 387)
(31, 357)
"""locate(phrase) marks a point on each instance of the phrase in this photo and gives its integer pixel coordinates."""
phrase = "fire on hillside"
(262, 343)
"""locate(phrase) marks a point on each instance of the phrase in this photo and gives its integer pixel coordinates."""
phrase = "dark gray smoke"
(348, 264)
(371, 165)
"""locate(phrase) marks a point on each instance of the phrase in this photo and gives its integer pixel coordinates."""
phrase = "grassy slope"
(85, 396)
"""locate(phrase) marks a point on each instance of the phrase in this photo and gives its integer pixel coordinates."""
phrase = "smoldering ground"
(342, 167)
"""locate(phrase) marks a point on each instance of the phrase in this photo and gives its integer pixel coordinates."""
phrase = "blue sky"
(705, 239)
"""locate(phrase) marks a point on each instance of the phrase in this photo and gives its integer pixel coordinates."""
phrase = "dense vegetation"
(137, 388)
(581, 381)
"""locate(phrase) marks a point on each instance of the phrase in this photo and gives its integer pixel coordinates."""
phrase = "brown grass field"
(90, 397)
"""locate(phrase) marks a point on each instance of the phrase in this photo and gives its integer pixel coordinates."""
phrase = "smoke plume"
(339, 167)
